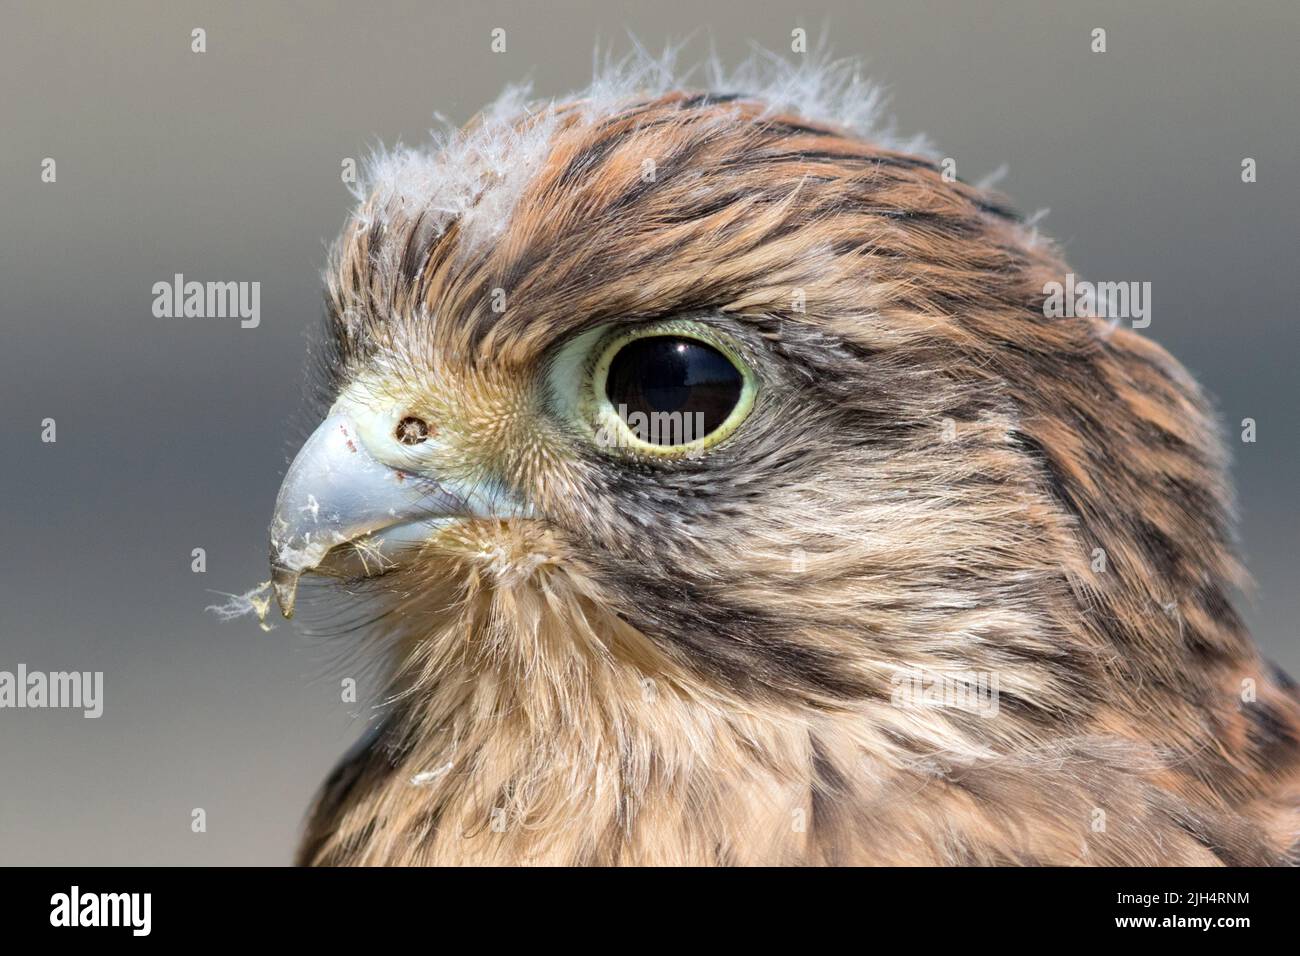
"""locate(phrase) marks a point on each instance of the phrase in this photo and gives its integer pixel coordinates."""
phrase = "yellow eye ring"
(728, 384)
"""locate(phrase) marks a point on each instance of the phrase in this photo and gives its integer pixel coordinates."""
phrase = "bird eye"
(412, 431)
(670, 389)
(688, 386)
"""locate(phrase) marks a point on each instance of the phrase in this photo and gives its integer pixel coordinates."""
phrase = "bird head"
(710, 391)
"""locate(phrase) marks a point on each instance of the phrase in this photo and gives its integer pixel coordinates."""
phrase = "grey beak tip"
(284, 582)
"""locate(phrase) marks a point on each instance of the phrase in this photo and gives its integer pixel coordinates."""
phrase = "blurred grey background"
(174, 433)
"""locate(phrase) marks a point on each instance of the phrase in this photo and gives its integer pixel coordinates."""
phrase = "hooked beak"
(336, 492)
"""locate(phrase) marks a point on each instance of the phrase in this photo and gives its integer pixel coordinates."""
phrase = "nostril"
(412, 430)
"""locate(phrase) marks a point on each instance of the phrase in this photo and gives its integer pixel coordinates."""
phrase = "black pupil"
(672, 390)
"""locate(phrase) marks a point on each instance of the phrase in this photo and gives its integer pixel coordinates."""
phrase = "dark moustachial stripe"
(746, 646)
